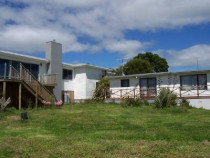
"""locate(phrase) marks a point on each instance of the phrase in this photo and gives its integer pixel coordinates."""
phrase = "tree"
(136, 66)
(118, 71)
(158, 64)
(102, 90)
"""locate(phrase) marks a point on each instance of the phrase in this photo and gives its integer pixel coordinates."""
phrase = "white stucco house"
(191, 85)
(69, 82)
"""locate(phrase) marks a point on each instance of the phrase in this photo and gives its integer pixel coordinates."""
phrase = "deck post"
(20, 95)
(121, 93)
(21, 71)
(134, 93)
(197, 91)
(36, 101)
(4, 90)
(10, 72)
(5, 70)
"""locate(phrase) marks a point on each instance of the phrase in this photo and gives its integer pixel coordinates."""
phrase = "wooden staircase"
(30, 82)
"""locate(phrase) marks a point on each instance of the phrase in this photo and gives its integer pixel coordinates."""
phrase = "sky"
(102, 32)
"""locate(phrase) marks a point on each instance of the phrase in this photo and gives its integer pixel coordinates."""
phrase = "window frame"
(147, 90)
(125, 80)
(197, 82)
(67, 78)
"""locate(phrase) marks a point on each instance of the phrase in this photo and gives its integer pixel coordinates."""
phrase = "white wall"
(93, 76)
(42, 68)
(80, 83)
(200, 103)
(83, 83)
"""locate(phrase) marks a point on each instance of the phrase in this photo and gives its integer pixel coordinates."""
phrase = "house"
(37, 79)
(191, 85)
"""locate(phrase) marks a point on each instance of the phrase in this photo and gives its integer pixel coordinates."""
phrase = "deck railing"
(13, 73)
(48, 79)
(182, 92)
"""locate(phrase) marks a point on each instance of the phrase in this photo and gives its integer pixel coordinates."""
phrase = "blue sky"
(102, 32)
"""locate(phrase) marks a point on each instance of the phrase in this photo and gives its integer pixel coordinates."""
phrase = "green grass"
(106, 130)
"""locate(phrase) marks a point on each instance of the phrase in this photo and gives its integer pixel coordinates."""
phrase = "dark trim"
(197, 81)
(127, 80)
(147, 86)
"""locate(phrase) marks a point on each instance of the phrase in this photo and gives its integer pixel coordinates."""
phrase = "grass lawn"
(106, 130)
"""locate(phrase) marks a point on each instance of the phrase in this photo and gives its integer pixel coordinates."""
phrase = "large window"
(125, 83)
(4, 68)
(33, 68)
(192, 82)
(67, 74)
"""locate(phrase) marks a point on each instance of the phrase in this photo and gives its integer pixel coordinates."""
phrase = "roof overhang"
(159, 74)
(22, 58)
(72, 66)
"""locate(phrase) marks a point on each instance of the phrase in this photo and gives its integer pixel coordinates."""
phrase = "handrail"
(29, 78)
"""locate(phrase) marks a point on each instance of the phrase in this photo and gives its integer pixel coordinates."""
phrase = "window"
(67, 74)
(125, 83)
(4, 68)
(33, 68)
(191, 82)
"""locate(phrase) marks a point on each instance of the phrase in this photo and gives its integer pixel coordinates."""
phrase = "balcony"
(48, 79)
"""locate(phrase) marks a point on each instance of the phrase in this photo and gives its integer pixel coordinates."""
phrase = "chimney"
(54, 55)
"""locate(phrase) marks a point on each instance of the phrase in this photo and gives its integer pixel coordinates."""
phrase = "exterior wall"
(200, 103)
(43, 68)
(80, 83)
(93, 76)
(83, 83)
(68, 85)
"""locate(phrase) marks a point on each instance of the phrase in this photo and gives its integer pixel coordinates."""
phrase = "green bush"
(102, 90)
(146, 102)
(185, 103)
(165, 98)
(132, 102)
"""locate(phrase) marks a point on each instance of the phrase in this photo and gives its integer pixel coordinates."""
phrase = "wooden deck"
(182, 93)
(24, 84)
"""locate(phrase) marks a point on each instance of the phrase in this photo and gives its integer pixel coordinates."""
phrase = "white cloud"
(189, 56)
(30, 40)
(101, 20)
(128, 48)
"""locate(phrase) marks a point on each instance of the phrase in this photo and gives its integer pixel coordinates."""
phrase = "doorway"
(68, 97)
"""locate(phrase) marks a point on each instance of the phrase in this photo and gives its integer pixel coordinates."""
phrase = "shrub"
(131, 102)
(146, 102)
(165, 98)
(102, 90)
(185, 103)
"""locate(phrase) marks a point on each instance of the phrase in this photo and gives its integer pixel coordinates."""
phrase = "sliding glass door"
(148, 87)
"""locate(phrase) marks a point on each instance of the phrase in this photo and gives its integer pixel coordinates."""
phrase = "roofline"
(83, 65)
(37, 59)
(158, 74)
(22, 56)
